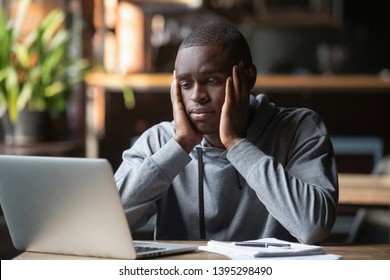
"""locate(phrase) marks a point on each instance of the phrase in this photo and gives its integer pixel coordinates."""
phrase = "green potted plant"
(36, 70)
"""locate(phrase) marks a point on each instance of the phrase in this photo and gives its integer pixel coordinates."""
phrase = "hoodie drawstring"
(202, 226)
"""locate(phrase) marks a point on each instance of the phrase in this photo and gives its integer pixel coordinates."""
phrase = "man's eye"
(213, 81)
(185, 85)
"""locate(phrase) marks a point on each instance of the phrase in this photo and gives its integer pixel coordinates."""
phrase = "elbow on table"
(315, 234)
(319, 226)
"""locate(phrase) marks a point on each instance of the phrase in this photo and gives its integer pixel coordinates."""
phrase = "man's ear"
(251, 73)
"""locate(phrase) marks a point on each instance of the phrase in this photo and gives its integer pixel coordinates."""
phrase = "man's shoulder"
(155, 136)
(303, 118)
(162, 129)
(164, 126)
(298, 112)
(262, 103)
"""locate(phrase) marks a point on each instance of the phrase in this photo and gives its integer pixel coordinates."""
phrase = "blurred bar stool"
(358, 145)
(350, 224)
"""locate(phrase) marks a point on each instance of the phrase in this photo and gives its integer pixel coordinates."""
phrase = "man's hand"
(234, 116)
(185, 135)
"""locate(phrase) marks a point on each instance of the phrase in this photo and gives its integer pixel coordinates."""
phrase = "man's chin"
(205, 128)
(206, 131)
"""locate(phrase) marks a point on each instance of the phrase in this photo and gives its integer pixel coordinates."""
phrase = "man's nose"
(200, 94)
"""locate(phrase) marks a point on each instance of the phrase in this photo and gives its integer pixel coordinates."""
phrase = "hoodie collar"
(264, 112)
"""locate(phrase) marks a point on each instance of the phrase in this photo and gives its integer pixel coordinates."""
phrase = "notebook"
(69, 206)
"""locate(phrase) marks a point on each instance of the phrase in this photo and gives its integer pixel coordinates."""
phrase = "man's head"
(203, 64)
(222, 35)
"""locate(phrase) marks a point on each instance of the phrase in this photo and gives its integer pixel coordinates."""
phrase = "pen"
(263, 244)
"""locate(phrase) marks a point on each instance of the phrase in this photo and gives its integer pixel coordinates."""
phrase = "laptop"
(70, 206)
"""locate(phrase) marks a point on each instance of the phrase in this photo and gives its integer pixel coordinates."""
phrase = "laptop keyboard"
(142, 249)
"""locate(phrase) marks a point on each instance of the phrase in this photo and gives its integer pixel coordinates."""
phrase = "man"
(230, 166)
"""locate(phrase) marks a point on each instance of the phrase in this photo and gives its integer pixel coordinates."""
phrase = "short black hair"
(219, 34)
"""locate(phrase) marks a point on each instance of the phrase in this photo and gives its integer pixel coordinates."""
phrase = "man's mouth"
(201, 114)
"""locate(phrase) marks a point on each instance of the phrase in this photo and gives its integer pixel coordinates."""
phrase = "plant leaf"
(24, 96)
(129, 98)
(12, 88)
(31, 39)
(3, 100)
(20, 17)
(50, 24)
(54, 89)
(3, 96)
(22, 56)
(60, 40)
(6, 40)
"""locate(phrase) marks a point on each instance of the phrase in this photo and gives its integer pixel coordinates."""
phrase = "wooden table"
(364, 189)
(350, 252)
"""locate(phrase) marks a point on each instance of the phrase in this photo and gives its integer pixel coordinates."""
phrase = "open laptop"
(69, 206)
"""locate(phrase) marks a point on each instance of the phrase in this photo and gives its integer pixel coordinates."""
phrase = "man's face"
(201, 73)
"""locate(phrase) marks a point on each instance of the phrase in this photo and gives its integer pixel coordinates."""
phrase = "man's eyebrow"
(213, 72)
(204, 72)
(182, 76)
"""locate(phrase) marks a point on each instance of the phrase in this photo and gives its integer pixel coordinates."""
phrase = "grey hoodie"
(280, 181)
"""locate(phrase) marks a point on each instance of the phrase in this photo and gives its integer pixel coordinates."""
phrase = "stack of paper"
(295, 250)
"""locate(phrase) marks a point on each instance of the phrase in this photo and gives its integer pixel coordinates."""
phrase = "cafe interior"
(331, 56)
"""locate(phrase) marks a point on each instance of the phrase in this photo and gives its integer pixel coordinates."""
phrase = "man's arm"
(302, 195)
(147, 172)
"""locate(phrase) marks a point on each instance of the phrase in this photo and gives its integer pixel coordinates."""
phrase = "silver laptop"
(69, 206)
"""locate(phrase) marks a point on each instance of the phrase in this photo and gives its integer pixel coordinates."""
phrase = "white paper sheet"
(296, 251)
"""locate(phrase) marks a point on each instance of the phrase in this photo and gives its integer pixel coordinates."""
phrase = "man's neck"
(214, 141)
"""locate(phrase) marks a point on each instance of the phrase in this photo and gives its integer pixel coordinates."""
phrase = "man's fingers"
(229, 94)
(173, 85)
(237, 82)
(175, 94)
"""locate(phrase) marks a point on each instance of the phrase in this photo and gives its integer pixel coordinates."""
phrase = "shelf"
(294, 20)
(319, 82)
(155, 82)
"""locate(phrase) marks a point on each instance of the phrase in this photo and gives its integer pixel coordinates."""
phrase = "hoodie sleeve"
(145, 175)
(302, 192)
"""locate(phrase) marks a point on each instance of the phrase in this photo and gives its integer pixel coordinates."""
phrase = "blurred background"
(131, 48)
(331, 38)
